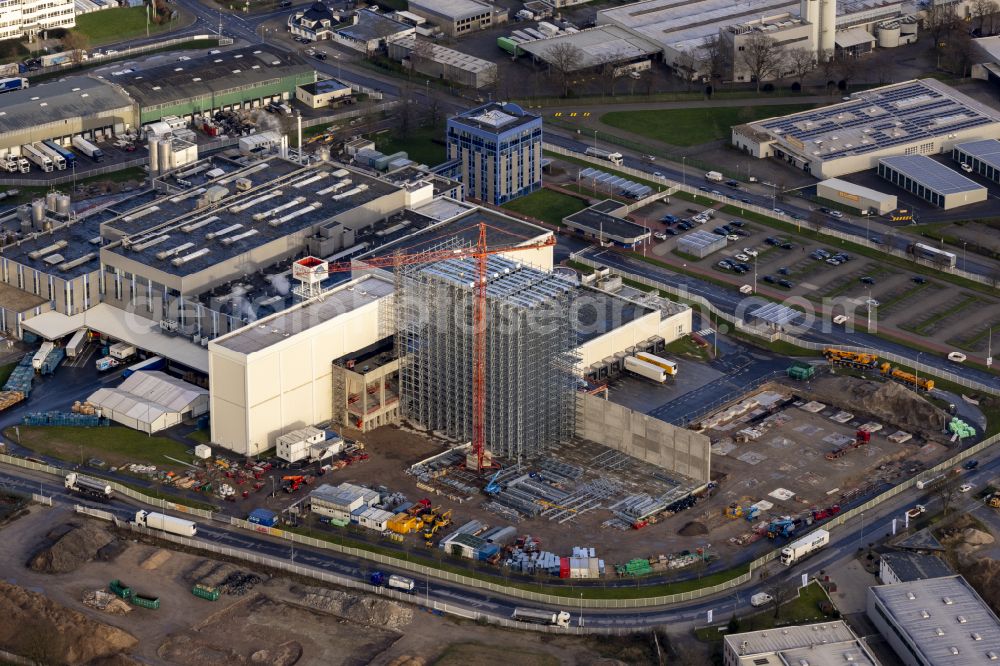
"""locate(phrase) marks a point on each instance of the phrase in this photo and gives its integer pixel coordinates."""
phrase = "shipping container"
(644, 369)
(76, 343)
(88, 149)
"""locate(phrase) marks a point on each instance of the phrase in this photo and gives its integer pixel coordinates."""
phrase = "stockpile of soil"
(984, 575)
(67, 550)
(42, 630)
(364, 610)
(693, 528)
(889, 402)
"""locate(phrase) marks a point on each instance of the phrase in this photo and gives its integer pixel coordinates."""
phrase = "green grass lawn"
(419, 145)
(117, 25)
(116, 445)
(5, 371)
(693, 127)
(804, 608)
(547, 205)
(200, 436)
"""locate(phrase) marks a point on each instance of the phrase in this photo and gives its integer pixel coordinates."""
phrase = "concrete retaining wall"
(644, 437)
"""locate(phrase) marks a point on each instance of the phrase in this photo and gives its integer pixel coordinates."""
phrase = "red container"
(564, 567)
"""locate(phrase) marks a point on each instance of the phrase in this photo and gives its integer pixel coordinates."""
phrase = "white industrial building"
(597, 46)
(340, 502)
(151, 401)
(308, 443)
(860, 198)
(919, 117)
(441, 62)
(20, 18)
(931, 181)
(803, 645)
(935, 621)
(458, 17)
(980, 157)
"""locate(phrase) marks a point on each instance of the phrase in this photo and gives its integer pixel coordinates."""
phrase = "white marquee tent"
(151, 401)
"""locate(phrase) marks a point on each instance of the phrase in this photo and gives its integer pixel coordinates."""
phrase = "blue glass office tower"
(499, 151)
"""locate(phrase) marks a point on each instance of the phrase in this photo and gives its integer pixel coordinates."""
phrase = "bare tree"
(646, 79)
(846, 67)
(609, 73)
(801, 61)
(940, 22)
(948, 493)
(76, 43)
(979, 10)
(716, 60)
(959, 53)
(761, 56)
(990, 18)
(563, 60)
(828, 64)
(780, 593)
(491, 82)
(884, 65)
(404, 112)
(435, 110)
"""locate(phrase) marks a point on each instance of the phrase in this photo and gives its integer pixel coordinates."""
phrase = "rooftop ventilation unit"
(239, 237)
(140, 213)
(181, 197)
(49, 249)
(70, 265)
(54, 259)
(291, 216)
(188, 228)
(171, 252)
(250, 203)
(180, 261)
(312, 179)
(277, 209)
(223, 232)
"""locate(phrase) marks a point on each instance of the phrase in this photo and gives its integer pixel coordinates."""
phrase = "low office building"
(308, 443)
(935, 622)
(860, 198)
(322, 93)
(499, 148)
(980, 157)
(804, 645)
(441, 62)
(701, 243)
(931, 181)
(594, 222)
(28, 18)
(369, 31)
(459, 17)
(922, 117)
(906, 567)
(340, 502)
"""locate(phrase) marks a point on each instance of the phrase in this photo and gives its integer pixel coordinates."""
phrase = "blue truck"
(13, 83)
(67, 155)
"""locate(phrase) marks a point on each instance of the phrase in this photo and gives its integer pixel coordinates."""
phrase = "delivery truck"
(804, 546)
(122, 351)
(40, 159)
(613, 157)
(57, 159)
(559, 619)
(106, 363)
(88, 149)
(66, 154)
(76, 343)
(714, 176)
(401, 583)
(88, 486)
(160, 521)
(644, 369)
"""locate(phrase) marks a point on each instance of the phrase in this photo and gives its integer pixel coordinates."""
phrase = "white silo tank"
(154, 156)
(164, 163)
(50, 201)
(38, 214)
(63, 204)
(324, 153)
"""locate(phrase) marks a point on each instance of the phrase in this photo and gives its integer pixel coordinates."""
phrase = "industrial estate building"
(860, 198)
(499, 151)
(906, 567)
(921, 117)
(936, 621)
(981, 157)
(817, 644)
(27, 18)
(602, 223)
(458, 17)
(931, 181)
(596, 47)
(367, 31)
(442, 63)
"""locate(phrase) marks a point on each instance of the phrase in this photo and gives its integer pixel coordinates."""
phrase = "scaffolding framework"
(530, 357)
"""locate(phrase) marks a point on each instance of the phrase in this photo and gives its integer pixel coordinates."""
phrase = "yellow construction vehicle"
(734, 510)
(444, 520)
(849, 358)
(404, 523)
(429, 532)
(907, 378)
(993, 500)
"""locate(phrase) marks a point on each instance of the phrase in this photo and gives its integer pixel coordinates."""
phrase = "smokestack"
(301, 153)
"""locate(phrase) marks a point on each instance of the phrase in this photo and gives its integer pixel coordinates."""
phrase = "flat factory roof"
(494, 117)
(343, 298)
(943, 619)
(857, 190)
(605, 43)
(445, 56)
(68, 250)
(790, 638)
(681, 23)
(700, 238)
(451, 9)
(916, 566)
(208, 75)
(325, 86)
(371, 26)
(880, 118)
(608, 225)
(74, 96)
(931, 174)
(987, 150)
(172, 234)
(18, 300)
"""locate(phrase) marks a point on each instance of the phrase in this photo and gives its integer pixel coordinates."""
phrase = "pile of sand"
(889, 402)
(40, 629)
(380, 613)
(67, 550)
(693, 528)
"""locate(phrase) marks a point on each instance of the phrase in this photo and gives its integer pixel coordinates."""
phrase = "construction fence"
(673, 187)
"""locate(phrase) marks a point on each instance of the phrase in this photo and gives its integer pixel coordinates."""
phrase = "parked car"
(833, 261)
(770, 279)
(877, 240)
(671, 232)
(918, 279)
(733, 183)
(737, 223)
(772, 241)
(659, 235)
(742, 257)
(733, 237)
(750, 252)
(719, 230)
(669, 219)
(704, 189)
(319, 55)
(837, 214)
(786, 246)
(658, 174)
(784, 271)
(718, 193)
(745, 200)
(825, 211)
(726, 264)
(867, 280)
(745, 267)
(786, 284)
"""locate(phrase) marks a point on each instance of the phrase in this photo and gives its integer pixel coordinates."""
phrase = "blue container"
(264, 517)
(487, 551)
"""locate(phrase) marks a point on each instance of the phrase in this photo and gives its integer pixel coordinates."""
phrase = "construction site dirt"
(780, 450)
(280, 621)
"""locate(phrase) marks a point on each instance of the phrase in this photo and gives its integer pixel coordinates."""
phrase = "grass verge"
(117, 445)
(693, 127)
(117, 25)
(802, 609)
(547, 205)
(423, 144)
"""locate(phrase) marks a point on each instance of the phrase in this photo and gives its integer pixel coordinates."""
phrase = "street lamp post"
(916, 369)
(755, 274)
(595, 139)
(965, 255)
(684, 172)
(581, 609)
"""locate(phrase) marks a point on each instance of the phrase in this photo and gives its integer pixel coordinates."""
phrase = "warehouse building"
(860, 198)
(597, 47)
(804, 645)
(28, 18)
(239, 79)
(701, 243)
(151, 401)
(369, 31)
(75, 105)
(931, 181)
(322, 93)
(938, 621)
(499, 148)
(442, 63)
(980, 157)
(920, 117)
(905, 567)
(459, 17)
(594, 222)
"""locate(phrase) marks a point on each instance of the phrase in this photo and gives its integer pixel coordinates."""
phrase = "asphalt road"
(845, 542)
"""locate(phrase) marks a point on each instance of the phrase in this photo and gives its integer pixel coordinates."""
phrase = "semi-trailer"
(88, 486)
(613, 157)
(151, 363)
(401, 583)
(559, 619)
(38, 360)
(58, 160)
(76, 343)
(41, 160)
(804, 546)
(66, 154)
(160, 521)
(644, 369)
(669, 367)
(88, 149)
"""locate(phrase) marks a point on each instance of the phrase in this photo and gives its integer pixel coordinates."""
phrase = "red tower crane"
(311, 269)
